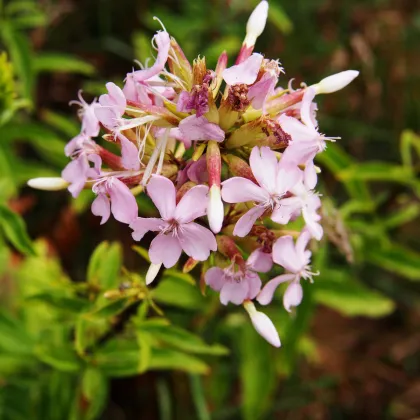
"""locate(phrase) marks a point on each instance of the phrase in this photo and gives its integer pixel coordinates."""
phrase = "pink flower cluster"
(177, 132)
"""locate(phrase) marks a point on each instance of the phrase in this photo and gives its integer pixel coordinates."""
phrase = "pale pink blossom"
(245, 73)
(236, 285)
(274, 178)
(90, 123)
(304, 201)
(195, 128)
(295, 259)
(176, 227)
(113, 196)
(163, 43)
(112, 107)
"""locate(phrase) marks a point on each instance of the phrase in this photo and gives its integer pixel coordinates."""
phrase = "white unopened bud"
(335, 82)
(215, 210)
(256, 23)
(152, 272)
(263, 324)
(48, 183)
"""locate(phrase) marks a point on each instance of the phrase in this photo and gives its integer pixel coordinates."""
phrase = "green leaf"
(14, 337)
(95, 392)
(279, 18)
(180, 338)
(20, 51)
(14, 229)
(376, 171)
(109, 310)
(58, 62)
(336, 160)
(61, 358)
(408, 213)
(257, 373)
(61, 122)
(409, 140)
(175, 292)
(173, 359)
(340, 291)
(104, 265)
(61, 300)
(397, 259)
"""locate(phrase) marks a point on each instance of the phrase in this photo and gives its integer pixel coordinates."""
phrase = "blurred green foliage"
(63, 340)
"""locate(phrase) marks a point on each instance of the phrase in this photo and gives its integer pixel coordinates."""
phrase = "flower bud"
(152, 272)
(48, 183)
(189, 265)
(263, 324)
(215, 210)
(238, 167)
(256, 23)
(335, 82)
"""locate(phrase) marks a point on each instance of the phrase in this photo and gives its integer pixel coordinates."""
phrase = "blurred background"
(350, 351)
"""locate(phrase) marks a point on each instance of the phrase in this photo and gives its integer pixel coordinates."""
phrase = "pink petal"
(259, 91)
(123, 203)
(254, 284)
(287, 177)
(301, 244)
(75, 174)
(245, 223)
(197, 241)
(264, 163)
(114, 99)
(311, 220)
(76, 143)
(165, 249)
(107, 116)
(260, 261)
(100, 207)
(310, 177)
(129, 154)
(162, 192)
(90, 123)
(142, 225)
(183, 100)
(299, 153)
(284, 253)
(267, 293)
(197, 171)
(163, 43)
(298, 131)
(244, 73)
(215, 278)
(241, 190)
(235, 292)
(286, 209)
(192, 205)
(292, 296)
(265, 327)
(305, 110)
(194, 129)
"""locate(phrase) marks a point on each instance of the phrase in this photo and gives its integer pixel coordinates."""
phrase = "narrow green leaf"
(61, 358)
(59, 62)
(172, 291)
(349, 297)
(376, 171)
(181, 339)
(14, 229)
(173, 359)
(104, 265)
(397, 259)
(257, 373)
(95, 392)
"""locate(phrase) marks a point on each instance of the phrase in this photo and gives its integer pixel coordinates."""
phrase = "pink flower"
(116, 198)
(245, 73)
(274, 179)
(90, 123)
(302, 201)
(112, 106)
(195, 128)
(177, 231)
(236, 286)
(83, 151)
(295, 259)
(195, 171)
(306, 140)
(163, 43)
(129, 154)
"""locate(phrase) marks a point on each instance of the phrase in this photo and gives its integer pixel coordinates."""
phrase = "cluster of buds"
(238, 160)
